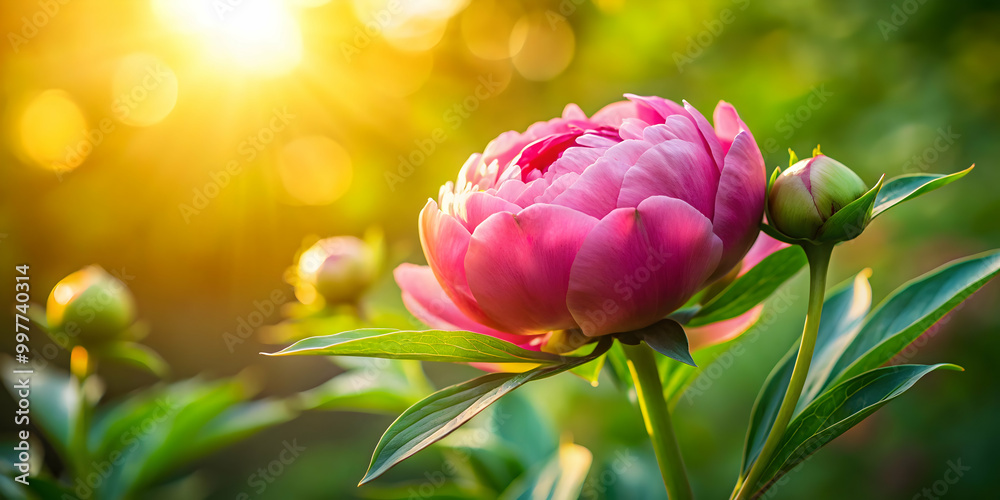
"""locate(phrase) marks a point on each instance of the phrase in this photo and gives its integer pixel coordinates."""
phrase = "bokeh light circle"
(541, 45)
(315, 170)
(144, 90)
(53, 131)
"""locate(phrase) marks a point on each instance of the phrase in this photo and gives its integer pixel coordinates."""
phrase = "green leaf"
(424, 345)
(911, 310)
(838, 410)
(371, 388)
(765, 409)
(590, 371)
(137, 355)
(55, 400)
(560, 478)
(844, 308)
(439, 414)
(667, 337)
(907, 187)
(749, 290)
(849, 222)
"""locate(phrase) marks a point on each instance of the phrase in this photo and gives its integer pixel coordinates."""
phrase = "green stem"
(656, 415)
(819, 262)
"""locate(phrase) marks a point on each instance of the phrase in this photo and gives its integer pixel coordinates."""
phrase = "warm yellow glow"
(542, 46)
(79, 362)
(486, 28)
(144, 90)
(257, 35)
(63, 293)
(53, 131)
(315, 170)
(411, 25)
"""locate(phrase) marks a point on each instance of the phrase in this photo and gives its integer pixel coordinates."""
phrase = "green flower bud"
(338, 269)
(803, 197)
(90, 307)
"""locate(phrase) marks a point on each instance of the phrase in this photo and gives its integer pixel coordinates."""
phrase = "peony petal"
(653, 106)
(480, 205)
(639, 264)
(739, 208)
(573, 112)
(727, 124)
(674, 168)
(764, 246)
(445, 242)
(595, 192)
(722, 331)
(518, 266)
(708, 136)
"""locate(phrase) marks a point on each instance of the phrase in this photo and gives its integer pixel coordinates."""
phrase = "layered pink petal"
(639, 264)
(674, 168)
(739, 206)
(708, 135)
(722, 331)
(762, 247)
(480, 205)
(595, 192)
(445, 242)
(518, 266)
(727, 124)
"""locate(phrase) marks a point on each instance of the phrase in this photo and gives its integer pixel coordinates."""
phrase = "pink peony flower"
(604, 224)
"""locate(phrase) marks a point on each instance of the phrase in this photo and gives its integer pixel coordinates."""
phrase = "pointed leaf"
(911, 310)
(907, 187)
(765, 409)
(848, 222)
(667, 337)
(749, 290)
(138, 355)
(439, 414)
(839, 409)
(590, 371)
(844, 310)
(424, 345)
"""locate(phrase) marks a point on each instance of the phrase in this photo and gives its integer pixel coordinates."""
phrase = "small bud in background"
(91, 307)
(338, 269)
(803, 197)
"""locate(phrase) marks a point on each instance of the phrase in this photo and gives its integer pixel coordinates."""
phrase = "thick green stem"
(819, 262)
(656, 415)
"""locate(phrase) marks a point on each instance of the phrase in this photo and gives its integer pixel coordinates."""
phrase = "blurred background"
(189, 146)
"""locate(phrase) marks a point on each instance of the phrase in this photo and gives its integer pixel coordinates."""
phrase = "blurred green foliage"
(883, 91)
